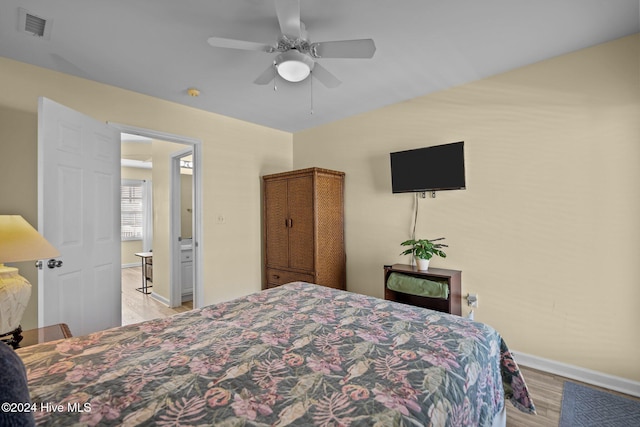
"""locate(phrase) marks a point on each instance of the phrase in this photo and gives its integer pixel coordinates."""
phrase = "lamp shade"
(19, 241)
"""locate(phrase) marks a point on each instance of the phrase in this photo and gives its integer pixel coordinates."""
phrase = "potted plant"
(423, 250)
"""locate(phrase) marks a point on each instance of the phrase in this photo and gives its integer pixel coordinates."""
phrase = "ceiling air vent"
(34, 25)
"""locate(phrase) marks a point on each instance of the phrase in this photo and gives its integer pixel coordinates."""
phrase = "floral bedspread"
(299, 354)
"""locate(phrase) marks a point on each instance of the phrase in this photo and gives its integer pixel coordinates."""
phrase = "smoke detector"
(34, 25)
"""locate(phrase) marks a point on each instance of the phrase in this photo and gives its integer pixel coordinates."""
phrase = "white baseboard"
(577, 373)
(135, 264)
(160, 298)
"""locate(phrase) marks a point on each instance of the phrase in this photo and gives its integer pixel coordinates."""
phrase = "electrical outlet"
(220, 219)
(472, 300)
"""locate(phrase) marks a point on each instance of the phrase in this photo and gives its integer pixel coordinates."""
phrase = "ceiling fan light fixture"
(293, 71)
(294, 66)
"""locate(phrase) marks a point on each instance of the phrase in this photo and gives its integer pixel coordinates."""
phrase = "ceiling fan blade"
(238, 44)
(362, 48)
(324, 76)
(289, 17)
(267, 76)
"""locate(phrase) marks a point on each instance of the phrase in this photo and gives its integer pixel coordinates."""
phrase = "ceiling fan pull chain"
(275, 72)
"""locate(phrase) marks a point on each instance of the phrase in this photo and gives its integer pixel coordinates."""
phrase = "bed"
(299, 354)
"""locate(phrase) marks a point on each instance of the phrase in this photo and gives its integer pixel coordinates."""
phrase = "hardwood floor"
(546, 392)
(138, 307)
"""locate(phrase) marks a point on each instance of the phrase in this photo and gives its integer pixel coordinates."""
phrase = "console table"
(453, 279)
(147, 271)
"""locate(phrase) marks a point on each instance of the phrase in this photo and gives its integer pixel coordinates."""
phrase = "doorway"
(137, 212)
(167, 249)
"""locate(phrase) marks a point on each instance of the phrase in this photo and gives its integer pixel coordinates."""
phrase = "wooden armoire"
(304, 228)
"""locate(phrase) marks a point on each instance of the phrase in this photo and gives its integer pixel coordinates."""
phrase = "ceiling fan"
(296, 58)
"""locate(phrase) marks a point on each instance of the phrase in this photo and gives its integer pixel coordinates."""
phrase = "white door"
(79, 213)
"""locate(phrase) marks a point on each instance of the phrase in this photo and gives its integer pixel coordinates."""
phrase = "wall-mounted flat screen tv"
(435, 168)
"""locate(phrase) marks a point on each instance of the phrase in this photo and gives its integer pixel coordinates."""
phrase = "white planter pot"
(422, 264)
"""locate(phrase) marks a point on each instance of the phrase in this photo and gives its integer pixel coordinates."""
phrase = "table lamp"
(19, 241)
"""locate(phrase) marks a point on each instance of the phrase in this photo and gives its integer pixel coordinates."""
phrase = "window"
(132, 212)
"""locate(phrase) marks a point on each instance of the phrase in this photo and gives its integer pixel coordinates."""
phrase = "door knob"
(53, 263)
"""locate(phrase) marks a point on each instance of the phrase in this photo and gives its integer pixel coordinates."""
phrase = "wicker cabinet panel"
(330, 225)
(301, 224)
(304, 227)
(277, 245)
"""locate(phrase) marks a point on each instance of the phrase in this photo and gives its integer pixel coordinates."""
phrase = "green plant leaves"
(424, 248)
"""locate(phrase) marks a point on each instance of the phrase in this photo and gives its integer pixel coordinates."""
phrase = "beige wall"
(234, 156)
(129, 249)
(547, 232)
(18, 167)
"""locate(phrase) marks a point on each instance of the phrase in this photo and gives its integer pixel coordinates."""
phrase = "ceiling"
(159, 48)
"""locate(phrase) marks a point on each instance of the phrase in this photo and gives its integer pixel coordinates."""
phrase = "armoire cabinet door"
(301, 215)
(277, 234)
